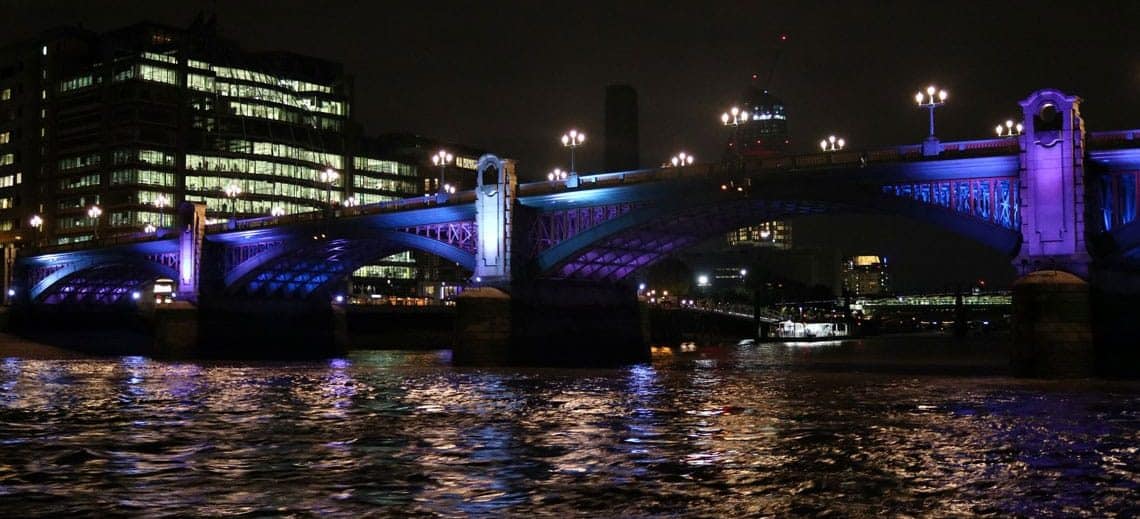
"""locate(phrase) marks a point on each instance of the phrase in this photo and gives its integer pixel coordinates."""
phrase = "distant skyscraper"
(621, 128)
(765, 132)
(866, 276)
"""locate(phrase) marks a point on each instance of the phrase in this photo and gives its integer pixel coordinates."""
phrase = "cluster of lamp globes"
(1009, 129)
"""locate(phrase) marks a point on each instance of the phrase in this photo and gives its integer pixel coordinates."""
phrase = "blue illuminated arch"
(91, 262)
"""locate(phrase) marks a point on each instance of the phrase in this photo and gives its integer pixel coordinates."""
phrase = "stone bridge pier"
(515, 316)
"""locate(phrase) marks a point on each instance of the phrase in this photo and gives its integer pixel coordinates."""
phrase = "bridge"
(560, 252)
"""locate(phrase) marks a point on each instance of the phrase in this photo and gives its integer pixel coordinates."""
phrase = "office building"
(106, 134)
(866, 275)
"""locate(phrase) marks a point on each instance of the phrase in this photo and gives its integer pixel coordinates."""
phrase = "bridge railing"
(1113, 139)
(972, 148)
(109, 241)
(342, 212)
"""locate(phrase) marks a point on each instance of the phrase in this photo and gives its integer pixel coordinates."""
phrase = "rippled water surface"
(736, 431)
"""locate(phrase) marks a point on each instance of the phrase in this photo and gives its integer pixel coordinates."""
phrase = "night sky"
(511, 77)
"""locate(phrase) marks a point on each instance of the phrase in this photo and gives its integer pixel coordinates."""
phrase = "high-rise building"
(621, 129)
(137, 120)
(866, 276)
(105, 134)
(764, 133)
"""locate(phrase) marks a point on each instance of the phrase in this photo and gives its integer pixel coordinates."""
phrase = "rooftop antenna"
(775, 61)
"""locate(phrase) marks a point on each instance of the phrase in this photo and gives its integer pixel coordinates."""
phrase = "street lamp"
(277, 211)
(37, 225)
(831, 143)
(448, 189)
(557, 174)
(735, 117)
(442, 158)
(351, 201)
(232, 191)
(573, 139)
(933, 98)
(149, 228)
(329, 176)
(94, 212)
(160, 202)
(681, 159)
(1009, 129)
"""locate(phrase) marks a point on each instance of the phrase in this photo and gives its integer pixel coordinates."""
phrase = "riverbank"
(15, 346)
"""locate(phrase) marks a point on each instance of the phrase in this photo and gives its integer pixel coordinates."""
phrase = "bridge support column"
(240, 328)
(1051, 185)
(483, 327)
(1052, 326)
(551, 323)
(191, 233)
(578, 323)
(175, 330)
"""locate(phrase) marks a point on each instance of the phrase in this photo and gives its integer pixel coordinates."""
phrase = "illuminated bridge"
(1055, 197)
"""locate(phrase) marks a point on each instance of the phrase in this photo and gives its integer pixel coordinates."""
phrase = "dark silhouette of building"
(621, 129)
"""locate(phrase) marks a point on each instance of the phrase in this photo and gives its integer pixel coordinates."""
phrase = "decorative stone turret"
(1052, 171)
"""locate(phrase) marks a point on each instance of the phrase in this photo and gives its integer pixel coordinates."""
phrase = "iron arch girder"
(854, 200)
(266, 257)
(352, 225)
(996, 237)
(1121, 244)
(148, 270)
(361, 250)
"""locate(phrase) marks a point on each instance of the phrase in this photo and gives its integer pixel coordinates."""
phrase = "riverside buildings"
(107, 134)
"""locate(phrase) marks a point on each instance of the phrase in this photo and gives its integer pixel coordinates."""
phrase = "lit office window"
(142, 177)
(76, 83)
(200, 82)
(10, 180)
(5, 137)
(159, 57)
(155, 157)
(79, 182)
(81, 161)
(158, 74)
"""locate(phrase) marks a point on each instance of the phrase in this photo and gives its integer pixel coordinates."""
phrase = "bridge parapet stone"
(1051, 179)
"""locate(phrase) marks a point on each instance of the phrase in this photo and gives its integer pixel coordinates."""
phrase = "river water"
(889, 427)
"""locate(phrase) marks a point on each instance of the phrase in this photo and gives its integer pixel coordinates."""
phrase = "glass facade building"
(140, 119)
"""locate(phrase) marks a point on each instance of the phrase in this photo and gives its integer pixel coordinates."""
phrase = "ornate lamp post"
(681, 159)
(831, 143)
(150, 228)
(160, 202)
(933, 98)
(232, 191)
(735, 117)
(277, 211)
(442, 158)
(556, 174)
(94, 212)
(1009, 129)
(329, 177)
(572, 140)
(37, 225)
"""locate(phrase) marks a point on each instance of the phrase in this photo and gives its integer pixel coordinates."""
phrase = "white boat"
(799, 330)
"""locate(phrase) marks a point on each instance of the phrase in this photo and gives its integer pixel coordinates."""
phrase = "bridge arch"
(104, 279)
(303, 267)
(614, 249)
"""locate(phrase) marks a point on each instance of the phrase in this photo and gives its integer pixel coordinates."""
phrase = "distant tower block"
(766, 132)
(621, 128)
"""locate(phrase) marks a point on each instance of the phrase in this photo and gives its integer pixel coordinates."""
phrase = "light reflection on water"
(851, 429)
